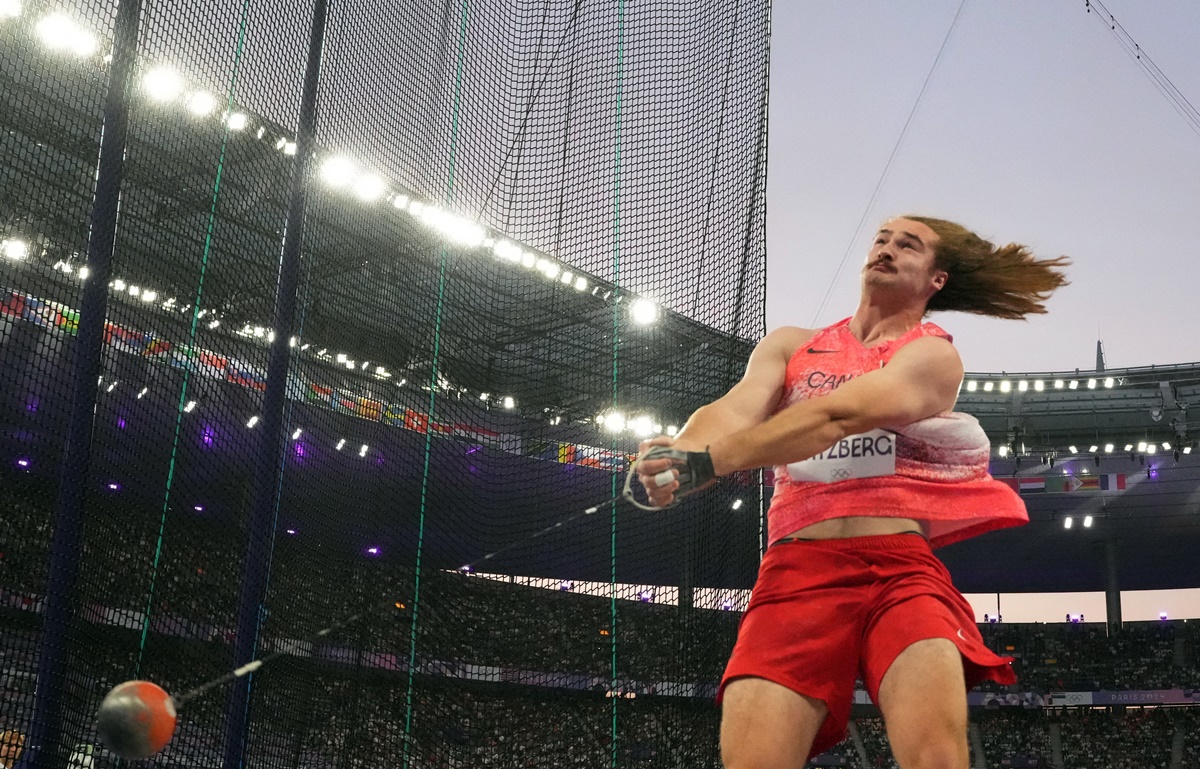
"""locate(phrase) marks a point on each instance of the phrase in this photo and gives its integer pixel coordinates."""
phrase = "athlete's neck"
(875, 323)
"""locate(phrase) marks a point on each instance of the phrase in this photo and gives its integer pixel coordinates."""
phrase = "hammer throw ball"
(136, 719)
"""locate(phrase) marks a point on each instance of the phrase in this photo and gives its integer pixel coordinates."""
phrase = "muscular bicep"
(757, 395)
(920, 381)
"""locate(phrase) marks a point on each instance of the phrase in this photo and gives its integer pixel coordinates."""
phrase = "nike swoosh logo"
(960, 635)
(814, 351)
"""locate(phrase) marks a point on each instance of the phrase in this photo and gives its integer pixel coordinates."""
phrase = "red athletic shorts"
(825, 612)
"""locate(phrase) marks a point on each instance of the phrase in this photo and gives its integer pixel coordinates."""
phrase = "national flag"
(1112, 482)
(1031, 485)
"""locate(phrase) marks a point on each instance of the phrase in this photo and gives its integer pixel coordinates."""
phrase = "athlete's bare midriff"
(860, 526)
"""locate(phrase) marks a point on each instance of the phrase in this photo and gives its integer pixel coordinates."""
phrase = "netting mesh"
(308, 308)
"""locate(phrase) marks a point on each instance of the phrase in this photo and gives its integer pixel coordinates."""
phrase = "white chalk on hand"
(665, 477)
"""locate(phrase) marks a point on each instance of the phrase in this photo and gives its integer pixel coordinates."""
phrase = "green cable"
(179, 410)
(433, 381)
(616, 346)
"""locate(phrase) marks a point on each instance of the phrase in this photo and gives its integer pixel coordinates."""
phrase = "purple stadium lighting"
(466, 569)
(299, 450)
(566, 585)
(646, 596)
(727, 605)
(121, 423)
(291, 532)
(207, 435)
(198, 508)
(372, 551)
(114, 486)
(1162, 615)
(32, 403)
(1074, 619)
(23, 462)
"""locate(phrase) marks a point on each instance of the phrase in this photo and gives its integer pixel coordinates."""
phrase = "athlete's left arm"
(921, 380)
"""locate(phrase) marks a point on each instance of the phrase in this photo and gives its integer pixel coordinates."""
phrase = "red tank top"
(934, 470)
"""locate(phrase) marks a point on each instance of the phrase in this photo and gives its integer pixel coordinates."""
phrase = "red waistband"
(902, 540)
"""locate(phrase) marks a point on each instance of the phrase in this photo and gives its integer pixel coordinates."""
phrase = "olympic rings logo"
(841, 473)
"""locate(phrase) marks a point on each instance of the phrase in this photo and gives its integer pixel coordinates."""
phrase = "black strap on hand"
(695, 470)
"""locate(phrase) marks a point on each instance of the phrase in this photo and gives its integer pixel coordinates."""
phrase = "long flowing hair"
(985, 279)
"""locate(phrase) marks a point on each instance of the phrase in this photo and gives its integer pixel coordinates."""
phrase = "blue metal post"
(268, 459)
(45, 744)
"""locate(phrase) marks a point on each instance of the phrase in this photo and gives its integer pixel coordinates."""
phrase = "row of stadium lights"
(60, 33)
(1141, 447)
(1037, 385)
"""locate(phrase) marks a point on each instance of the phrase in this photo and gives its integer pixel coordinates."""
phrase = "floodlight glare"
(672, 430)
(1074, 385)
(1058, 384)
(1087, 522)
(1003, 451)
(289, 148)
(400, 201)
(237, 121)
(1005, 386)
(1022, 386)
(84, 272)
(60, 33)
(10, 9)
(1141, 446)
(1091, 384)
(509, 403)
(1039, 385)
(581, 284)
(1109, 382)
(189, 408)
(613, 421)
(149, 296)
(1166, 446)
(1187, 449)
(737, 503)
(337, 171)
(162, 84)
(643, 312)
(370, 187)
(14, 249)
(1108, 448)
(201, 103)
(988, 386)
(642, 426)
(528, 259)
(1067, 522)
(1072, 449)
(1093, 448)
(972, 386)
(252, 422)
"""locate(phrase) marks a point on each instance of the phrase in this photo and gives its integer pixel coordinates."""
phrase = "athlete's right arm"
(748, 403)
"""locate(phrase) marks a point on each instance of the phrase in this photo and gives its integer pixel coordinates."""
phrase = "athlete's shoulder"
(785, 340)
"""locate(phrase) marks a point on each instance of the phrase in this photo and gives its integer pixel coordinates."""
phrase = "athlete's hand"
(661, 495)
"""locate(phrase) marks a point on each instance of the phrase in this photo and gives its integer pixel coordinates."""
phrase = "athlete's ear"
(939, 279)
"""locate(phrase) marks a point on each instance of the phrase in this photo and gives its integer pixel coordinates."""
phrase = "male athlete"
(873, 469)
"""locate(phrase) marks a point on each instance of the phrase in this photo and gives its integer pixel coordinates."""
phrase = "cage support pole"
(46, 739)
(267, 461)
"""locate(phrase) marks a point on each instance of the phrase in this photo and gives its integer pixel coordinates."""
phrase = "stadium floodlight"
(1059, 384)
(142, 394)
(1005, 386)
(341, 444)
(10, 9)
(1022, 386)
(1039, 385)
(134, 291)
(252, 422)
(289, 148)
(298, 432)
(1074, 385)
(149, 296)
(643, 312)
(1087, 521)
(613, 421)
(400, 201)
(237, 121)
(59, 32)
(528, 259)
(1141, 446)
(507, 250)
(1093, 449)
(1108, 448)
(1072, 449)
(509, 403)
(1003, 450)
(1166, 446)
(1109, 382)
(568, 277)
(14, 249)
(581, 284)
(189, 408)
(1068, 522)
(362, 452)
(162, 84)
(672, 430)
(370, 187)
(642, 426)
(972, 386)
(1187, 449)
(737, 504)
(84, 272)
(989, 386)
(1152, 448)
(213, 324)
(1129, 447)
(338, 171)
(341, 357)
(201, 103)
(1091, 384)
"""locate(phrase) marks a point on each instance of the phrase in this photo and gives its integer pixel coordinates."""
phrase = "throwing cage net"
(312, 309)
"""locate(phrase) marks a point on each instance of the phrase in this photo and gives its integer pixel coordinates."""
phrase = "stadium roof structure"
(513, 324)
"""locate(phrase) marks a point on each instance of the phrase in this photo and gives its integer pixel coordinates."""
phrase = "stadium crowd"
(353, 700)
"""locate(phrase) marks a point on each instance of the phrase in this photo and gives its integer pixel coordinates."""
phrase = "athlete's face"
(902, 260)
